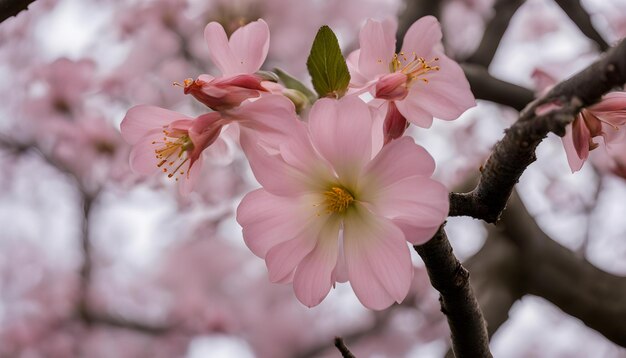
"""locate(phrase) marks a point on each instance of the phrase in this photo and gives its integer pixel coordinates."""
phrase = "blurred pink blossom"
(334, 208)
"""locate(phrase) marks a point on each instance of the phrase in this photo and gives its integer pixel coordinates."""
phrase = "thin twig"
(580, 17)
(341, 346)
(9, 8)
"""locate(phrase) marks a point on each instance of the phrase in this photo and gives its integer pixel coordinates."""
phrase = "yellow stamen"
(414, 69)
(337, 200)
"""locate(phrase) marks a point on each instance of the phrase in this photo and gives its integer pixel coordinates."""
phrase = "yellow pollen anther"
(337, 200)
(414, 68)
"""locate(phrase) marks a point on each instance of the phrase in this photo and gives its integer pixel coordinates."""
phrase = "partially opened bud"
(224, 93)
(392, 87)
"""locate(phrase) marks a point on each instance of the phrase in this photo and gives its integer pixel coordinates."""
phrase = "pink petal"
(342, 132)
(357, 79)
(413, 112)
(283, 258)
(188, 180)
(581, 137)
(420, 203)
(313, 278)
(268, 220)
(400, 159)
(446, 95)
(377, 258)
(249, 45)
(378, 43)
(423, 37)
(574, 161)
(272, 117)
(142, 119)
(271, 170)
(219, 49)
(142, 156)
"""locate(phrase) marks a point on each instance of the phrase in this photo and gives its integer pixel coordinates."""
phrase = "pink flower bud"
(392, 87)
(224, 93)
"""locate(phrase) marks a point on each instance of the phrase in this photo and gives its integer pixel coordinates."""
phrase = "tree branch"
(495, 29)
(467, 326)
(341, 346)
(580, 17)
(559, 275)
(484, 86)
(512, 155)
(10, 8)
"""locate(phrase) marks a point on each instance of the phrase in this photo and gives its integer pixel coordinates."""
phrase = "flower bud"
(392, 87)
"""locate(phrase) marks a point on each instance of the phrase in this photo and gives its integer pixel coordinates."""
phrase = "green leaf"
(292, 83)
(327, 66)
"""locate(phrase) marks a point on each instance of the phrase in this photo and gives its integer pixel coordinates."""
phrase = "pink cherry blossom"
(421, 80)
(169, 141)
(238, 58)
(602, 119)
(173, 142)
(334, 208)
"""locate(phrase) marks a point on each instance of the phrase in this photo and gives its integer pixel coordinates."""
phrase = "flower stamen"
(337, 200)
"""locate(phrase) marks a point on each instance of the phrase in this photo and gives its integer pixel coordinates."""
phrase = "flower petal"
(249, 45)
(399, 159)
(446, 95)
(219, 48)
(142, 119)
(423, 37)
(188, 180)
(342, 132)
(378, 259)
(420, 204)
(378, 43)
(313, 278)
(268, 220)
(413, 113)
(142, 156)
(574, 161)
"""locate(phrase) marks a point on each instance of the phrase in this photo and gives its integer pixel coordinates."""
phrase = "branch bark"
(9, 8)
(516, 151)
(484, 86)
(495, 29)
(451, 279)
(559, 275)
(580, 17)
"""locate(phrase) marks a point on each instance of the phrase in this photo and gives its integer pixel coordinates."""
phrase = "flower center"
(337, 199)
(415, 68)
(171, 151)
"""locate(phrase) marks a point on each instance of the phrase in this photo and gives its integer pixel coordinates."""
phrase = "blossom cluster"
(342, 189)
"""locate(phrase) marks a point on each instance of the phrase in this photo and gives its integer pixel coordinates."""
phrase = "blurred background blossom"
(96, 261)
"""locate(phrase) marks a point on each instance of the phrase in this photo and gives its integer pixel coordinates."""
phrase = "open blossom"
(601, 119)
(421, 81)
(173, 143)
(169, 141)
(238, 58)
(336, 208)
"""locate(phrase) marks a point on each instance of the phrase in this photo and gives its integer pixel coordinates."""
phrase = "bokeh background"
(96, 261)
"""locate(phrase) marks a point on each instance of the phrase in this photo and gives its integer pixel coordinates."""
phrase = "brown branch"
(512, 155)
(484, 86)
(458, 304)
(10, 8)
(580, 17)
(495, 29)
(559, 275)
(341, 346)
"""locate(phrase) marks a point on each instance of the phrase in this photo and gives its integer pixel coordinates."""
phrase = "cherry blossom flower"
(238, 58)
(336, 208)
(421, 81)
(169, 141)
(173, 142)
(602, 119)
